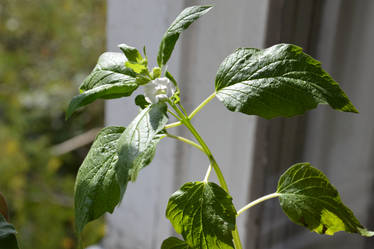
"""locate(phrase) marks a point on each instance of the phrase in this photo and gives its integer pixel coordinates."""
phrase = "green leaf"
(182, 22)
(100, 181)
(7, 235)
(131, 53)
(141, 101)
(309, 199)
(174, 243)
(137, 144)
(109, 79)
(277, 81)
(156, 73)
(204, 214)
(137, 67)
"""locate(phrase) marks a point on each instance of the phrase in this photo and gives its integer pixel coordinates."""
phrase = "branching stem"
(193, 113)
(186, 121)
(185, 140)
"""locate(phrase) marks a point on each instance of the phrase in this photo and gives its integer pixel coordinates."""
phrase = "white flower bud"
(159, 89)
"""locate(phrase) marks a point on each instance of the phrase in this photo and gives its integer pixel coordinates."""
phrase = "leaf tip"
(365, 232)
(350, 108)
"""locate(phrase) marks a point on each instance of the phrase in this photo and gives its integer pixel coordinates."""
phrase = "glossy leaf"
(137, 144)
(204, 214)
(7, 235)
(109, 79)
(100, 181)
(174, 243)
(309, 199)
(182, 22)
(277, 81)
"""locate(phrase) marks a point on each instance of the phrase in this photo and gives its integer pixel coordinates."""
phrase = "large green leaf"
(174, 243)
(109, 79)
(137, 144)
(7, 235)
(204, 214)
(99, 182)
(182, 22)
(277, 81)
(309, 199)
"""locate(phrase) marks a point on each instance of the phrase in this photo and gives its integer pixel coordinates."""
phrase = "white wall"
(139, 222)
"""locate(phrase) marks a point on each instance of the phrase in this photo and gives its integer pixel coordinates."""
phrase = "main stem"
(186, 121)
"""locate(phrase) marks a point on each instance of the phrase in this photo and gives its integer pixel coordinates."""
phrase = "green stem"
(259, 200)
(193, 113)
(175, 115)
(171, 125)
(186, 121)
(182, 108)
(206, 178)
(183, 139)
(206, 101)
(207, 151)
(236, 238)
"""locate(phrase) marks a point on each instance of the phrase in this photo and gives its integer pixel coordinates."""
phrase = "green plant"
(277, 81)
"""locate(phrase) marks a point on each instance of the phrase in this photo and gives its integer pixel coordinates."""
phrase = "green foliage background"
(46, 49)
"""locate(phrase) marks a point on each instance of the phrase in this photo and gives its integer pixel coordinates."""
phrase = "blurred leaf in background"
(46, 49)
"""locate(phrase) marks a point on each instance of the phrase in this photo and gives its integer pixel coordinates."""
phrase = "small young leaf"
(141, 102)
(204, 214)
(109, 79)
(174, 243)
(137, 68)
(137, 144)
(156, 73)
(309, 199)
(131, 53)
(7, 235)
(182, 22)
(277, 81)
(100, 181)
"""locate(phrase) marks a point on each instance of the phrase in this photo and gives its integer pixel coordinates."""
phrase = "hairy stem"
(255, 202)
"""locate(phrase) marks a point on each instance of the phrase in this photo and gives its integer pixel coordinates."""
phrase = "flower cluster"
(158, 90)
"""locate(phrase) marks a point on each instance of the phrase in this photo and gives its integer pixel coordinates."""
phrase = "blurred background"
(46, 49)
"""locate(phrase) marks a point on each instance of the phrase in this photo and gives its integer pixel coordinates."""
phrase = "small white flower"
(159, 89)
